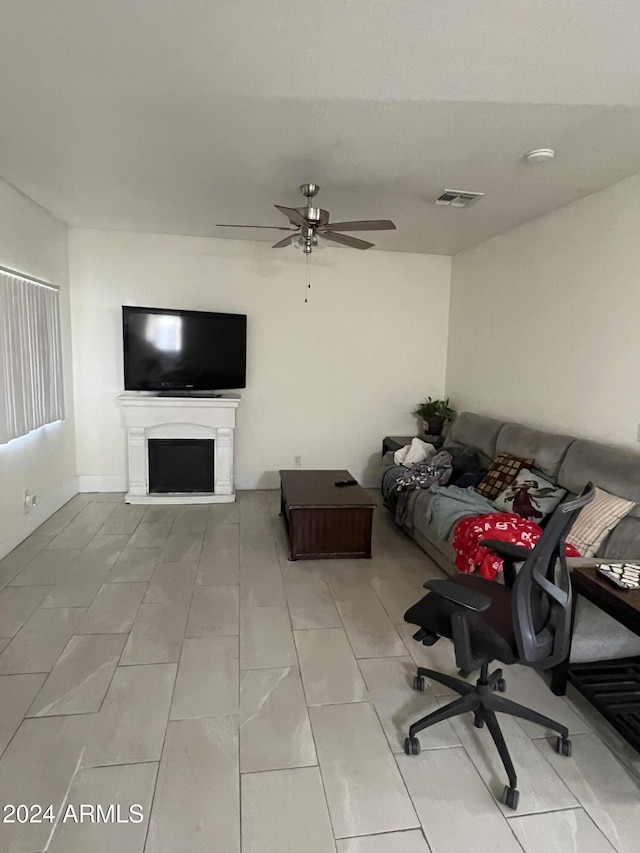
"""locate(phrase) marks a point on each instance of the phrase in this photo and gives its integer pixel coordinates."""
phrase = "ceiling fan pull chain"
(308, 288)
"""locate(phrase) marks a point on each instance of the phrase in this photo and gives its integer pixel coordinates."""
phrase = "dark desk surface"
(318, 489)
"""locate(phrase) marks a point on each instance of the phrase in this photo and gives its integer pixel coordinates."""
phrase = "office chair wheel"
(510, 797)
(501, 685)
(478, 722)
(563, 747)
(412, 746)
(418, 683)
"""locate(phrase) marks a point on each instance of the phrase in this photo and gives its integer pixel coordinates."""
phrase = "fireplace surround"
(149, 417)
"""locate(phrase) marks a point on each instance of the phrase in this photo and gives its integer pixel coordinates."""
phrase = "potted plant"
(434, 414)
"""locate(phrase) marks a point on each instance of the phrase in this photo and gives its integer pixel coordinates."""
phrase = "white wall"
(34, 243)
(545, 320)
(326, 380)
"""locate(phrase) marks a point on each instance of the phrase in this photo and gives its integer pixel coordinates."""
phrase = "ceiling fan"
(312, 223)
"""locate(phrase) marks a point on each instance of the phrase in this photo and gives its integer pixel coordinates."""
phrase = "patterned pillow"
(502, 473)
(530, 496)
(597, 519)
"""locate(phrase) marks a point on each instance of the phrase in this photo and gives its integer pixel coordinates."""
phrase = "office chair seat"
(491, 632)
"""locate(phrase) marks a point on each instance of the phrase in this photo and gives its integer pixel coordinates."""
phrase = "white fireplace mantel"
(146, 416)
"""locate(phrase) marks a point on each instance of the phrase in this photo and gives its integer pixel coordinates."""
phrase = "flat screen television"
(169, 350)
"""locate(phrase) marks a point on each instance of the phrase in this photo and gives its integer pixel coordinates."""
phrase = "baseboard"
(242, 483)
(102, 484)
(39, 515)
(271, 480)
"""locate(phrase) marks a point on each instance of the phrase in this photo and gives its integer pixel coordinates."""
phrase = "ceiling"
(170, 116)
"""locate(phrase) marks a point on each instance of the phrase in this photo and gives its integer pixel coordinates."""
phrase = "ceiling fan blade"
(292, 215)
(271, 227)
(347, 241)
(286, 242)
(363, 225)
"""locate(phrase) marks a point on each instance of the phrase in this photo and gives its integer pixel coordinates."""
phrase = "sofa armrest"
(461, 595)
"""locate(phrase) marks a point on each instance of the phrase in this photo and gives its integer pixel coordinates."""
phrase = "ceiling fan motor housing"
(315, 215)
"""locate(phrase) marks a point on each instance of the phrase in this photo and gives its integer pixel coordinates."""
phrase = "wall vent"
(458, 198)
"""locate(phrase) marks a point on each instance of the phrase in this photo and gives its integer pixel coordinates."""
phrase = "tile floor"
(173, 658)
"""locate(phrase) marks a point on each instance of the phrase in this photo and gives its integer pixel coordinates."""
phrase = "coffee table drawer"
(329, 532)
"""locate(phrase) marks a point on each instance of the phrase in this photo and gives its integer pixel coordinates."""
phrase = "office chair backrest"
(541, 594)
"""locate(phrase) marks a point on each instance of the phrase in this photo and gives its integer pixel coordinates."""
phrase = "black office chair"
(528, 623)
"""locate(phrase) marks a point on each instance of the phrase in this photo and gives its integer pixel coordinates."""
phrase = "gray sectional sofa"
(570, 462)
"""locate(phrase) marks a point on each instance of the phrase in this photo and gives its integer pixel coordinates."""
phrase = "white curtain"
(31, 390)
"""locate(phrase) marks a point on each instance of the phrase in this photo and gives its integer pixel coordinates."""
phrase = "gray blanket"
(449, 504)
(431, 472)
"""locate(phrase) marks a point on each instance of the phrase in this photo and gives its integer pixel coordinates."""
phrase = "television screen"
(167, 350)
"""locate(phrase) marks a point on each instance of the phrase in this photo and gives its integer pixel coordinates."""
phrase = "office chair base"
(419, 683)
(483, 700)
(412, 746)
(510, 797)
(563, 746)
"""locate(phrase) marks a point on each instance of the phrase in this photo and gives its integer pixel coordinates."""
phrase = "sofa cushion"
(613, 469)
(624, 539)
(596, 520)
(501, 474)
(476, 431)
(597, 636)
(617, 471)
(548, 449)
(530, 496)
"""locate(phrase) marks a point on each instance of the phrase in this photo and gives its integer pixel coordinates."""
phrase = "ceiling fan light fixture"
(309, 243)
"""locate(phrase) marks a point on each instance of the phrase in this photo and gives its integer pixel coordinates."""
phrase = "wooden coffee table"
(325, 521)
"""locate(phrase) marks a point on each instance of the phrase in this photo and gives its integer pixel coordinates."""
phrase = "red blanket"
(508, 527)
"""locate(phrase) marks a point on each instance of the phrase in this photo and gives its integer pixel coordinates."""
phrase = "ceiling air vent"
(458, 198)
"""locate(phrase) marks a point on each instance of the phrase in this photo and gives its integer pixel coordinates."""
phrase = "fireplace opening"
(180, 465)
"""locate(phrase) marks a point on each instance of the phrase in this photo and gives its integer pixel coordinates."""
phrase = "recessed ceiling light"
(540, 155)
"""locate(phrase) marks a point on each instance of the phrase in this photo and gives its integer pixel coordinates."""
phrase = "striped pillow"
(597, 519)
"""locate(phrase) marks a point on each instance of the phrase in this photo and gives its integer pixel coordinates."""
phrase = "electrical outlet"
(30, 500)
(297, 461)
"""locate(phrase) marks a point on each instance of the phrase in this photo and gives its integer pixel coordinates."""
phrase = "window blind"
(31, 386)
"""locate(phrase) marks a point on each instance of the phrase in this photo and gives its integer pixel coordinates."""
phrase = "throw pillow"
(501, 474)
(597, 519)
(530, 496)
